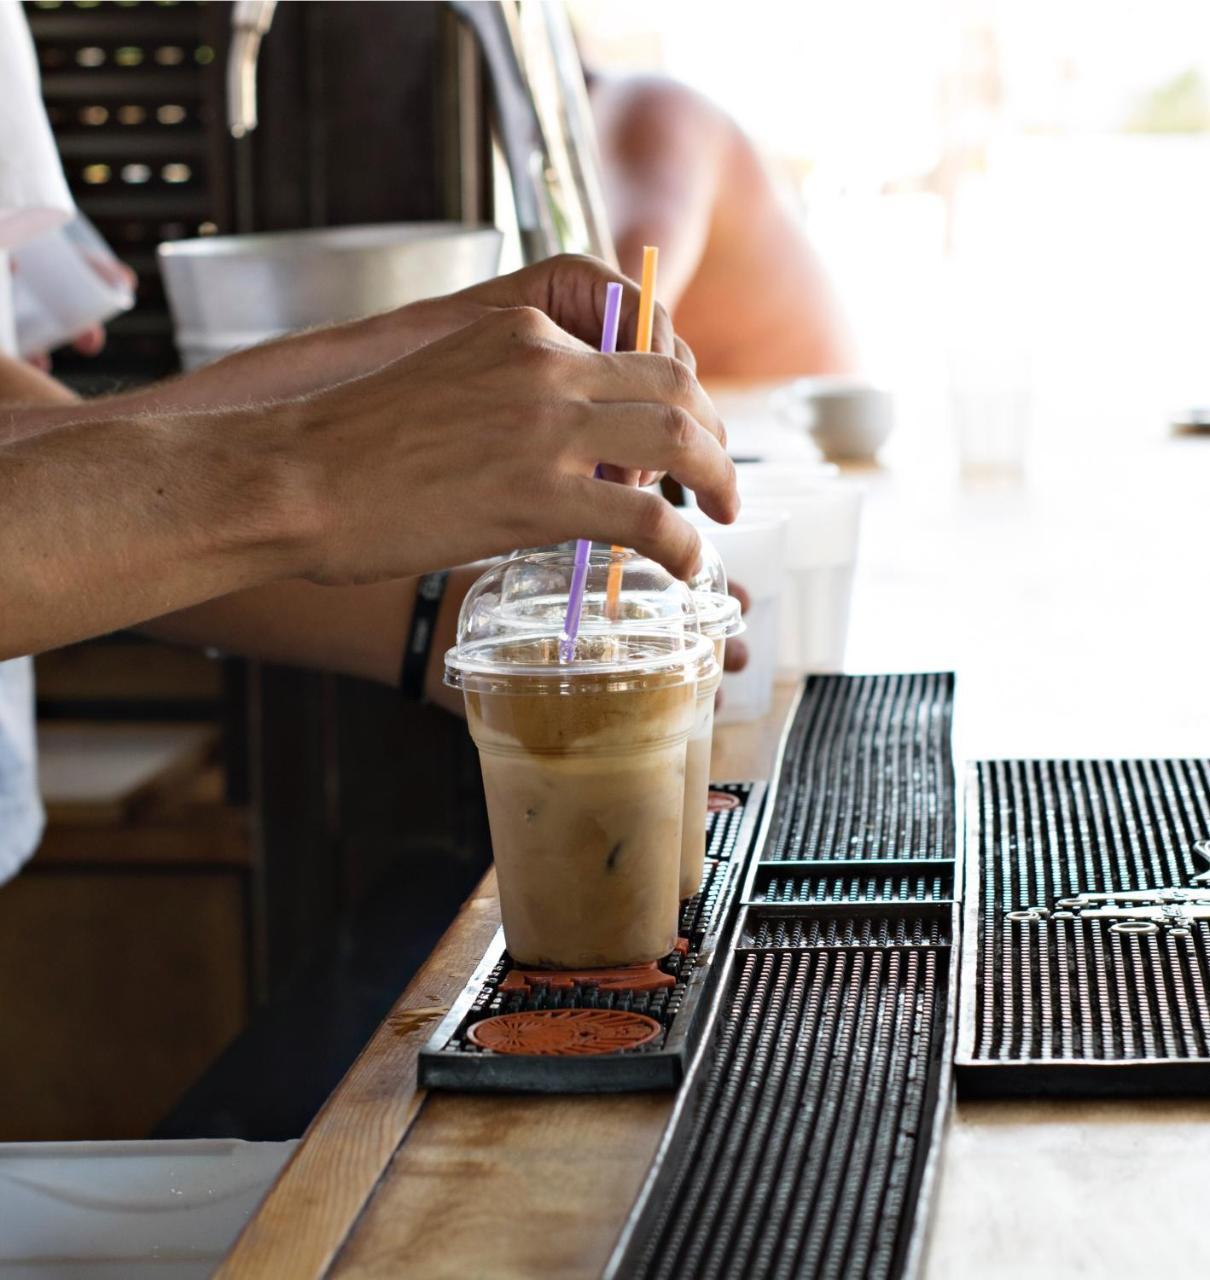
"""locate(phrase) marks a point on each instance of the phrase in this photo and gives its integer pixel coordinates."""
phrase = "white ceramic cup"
(848, 418)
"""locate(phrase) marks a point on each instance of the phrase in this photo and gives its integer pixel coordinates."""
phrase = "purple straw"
(579, 572)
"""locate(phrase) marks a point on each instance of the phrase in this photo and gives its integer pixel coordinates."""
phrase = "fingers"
(90, 342)
(663, 338)
(570, 288)
(735, 655)
(684, 353)
(626, 475)
(651, 378)
(745, 600)
(664, 341)
(616, 514)
(663, 438)
(662, 381)
(577, 302)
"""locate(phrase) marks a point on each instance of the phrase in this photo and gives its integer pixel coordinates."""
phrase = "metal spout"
(250, 19)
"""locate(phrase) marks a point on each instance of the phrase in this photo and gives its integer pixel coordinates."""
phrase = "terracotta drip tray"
(599, 1030)
(655, 975)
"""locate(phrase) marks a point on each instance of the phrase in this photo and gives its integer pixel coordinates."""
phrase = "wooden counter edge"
(314, 1202)
(338, 1166)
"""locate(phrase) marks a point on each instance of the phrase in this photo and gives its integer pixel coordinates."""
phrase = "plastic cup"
(583, 761)
(65, 283)
(719, 617)
(823, 527)
(645, 598)
(752, 551)
(697, 786)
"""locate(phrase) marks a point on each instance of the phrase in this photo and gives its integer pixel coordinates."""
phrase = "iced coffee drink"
(584, 767)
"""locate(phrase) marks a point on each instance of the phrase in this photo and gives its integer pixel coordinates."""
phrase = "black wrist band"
(429, 591)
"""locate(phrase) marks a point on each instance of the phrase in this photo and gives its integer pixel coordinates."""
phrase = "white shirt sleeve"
(34, 197)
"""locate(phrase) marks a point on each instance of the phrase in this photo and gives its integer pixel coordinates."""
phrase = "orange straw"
(642, 342)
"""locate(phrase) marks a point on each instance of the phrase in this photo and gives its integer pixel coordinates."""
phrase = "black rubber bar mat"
(453, 1059)
(1086, 960)
(804, 1142)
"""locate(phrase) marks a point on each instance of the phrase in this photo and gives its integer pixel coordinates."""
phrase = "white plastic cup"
(992, 429)
(64, 283)
(822, 534)
(988, 330)
(752, 550)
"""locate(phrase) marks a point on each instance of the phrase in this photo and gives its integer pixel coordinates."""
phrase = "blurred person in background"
(744, 286)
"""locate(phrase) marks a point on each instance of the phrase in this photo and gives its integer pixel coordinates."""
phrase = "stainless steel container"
(228, 292)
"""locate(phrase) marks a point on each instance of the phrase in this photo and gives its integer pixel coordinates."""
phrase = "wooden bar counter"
(1073, 607)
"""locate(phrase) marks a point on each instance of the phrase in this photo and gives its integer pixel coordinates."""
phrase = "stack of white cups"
(823, 523)
(752, 551)
(794, 550)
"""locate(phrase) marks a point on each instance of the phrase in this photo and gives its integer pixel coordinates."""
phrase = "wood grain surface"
(350, 1204)
(325, 1185)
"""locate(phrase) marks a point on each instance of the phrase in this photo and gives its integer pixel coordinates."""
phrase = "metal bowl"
(228, 292)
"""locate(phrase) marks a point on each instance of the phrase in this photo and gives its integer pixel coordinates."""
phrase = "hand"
(570, 289)
(735, 655)
(91, 342)
(486, 441)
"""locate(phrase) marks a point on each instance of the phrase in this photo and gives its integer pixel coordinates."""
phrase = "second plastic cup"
(697, 785)
(583, 765)
(718, 616)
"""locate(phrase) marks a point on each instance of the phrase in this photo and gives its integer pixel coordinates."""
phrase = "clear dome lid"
(718, 612)
(512, 620)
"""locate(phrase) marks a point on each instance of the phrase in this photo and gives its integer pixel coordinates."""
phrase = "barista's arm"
(358, 631)
(280, 370)
(355, 631)
(352, 630)
(568, 288)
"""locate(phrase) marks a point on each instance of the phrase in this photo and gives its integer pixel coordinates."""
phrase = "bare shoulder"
(623, 103)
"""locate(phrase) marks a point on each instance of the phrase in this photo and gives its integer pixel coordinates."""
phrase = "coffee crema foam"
(597, 713)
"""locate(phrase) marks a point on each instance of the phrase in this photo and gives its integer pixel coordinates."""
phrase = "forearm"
(283, 369)
(356, 631)
(22, 384)
(108, 523)
(293, 365)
